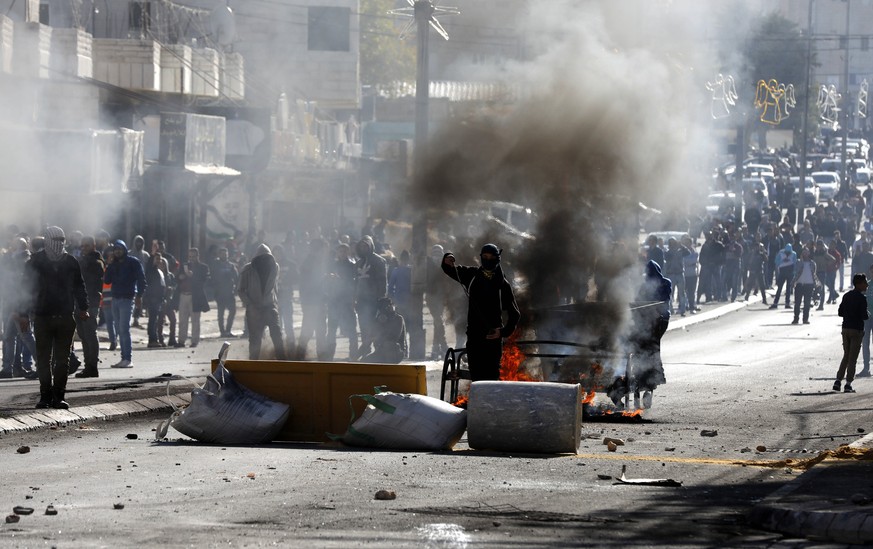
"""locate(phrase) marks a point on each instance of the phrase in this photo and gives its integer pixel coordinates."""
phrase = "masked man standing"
(56, 289)
(489, 294)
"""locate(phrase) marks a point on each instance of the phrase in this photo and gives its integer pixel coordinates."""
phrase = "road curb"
(111, 410)
(842, 527)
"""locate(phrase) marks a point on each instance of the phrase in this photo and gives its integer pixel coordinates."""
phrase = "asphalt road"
(750, 375)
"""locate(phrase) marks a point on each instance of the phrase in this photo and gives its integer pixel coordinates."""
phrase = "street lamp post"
(801, 189)
(844, 184)
(423, 13)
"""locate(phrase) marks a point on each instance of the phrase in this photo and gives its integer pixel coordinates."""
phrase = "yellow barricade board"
(318, 392)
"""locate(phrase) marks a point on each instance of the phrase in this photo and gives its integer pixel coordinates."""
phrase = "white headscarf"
(54, 243)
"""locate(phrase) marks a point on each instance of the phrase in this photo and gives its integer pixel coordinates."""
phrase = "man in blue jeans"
(128, 281)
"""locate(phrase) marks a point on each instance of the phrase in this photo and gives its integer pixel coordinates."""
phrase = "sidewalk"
(831, 501)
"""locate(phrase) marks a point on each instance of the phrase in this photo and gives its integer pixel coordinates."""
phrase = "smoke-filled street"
(749, 375)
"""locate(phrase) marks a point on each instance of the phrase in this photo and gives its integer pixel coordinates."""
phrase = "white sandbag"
(511, 416)
(406, 422)
(225, 412)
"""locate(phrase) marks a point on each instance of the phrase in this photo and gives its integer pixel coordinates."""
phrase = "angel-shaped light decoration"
(724, 96)
(788, 100)
(774, 100)
(828, 105)
(427, 9)
(862, 99)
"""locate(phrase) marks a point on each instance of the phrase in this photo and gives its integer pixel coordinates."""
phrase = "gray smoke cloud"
(611, 111)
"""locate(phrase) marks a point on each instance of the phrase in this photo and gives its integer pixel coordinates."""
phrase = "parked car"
(714, 201)
(836, 165)
(810, 195)
(828, 184)
(757, 184)
(863, 176)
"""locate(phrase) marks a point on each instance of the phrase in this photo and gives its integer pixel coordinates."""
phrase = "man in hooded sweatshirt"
(57, 291)
(489, 294)
(258, 292)
(651, 324)
(127, 277)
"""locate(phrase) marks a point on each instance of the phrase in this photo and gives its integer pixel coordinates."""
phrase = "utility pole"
(423, 13)
(804, 134)
(844, 184)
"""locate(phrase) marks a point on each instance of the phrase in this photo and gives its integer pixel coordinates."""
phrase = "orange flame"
(510, 363)
(461, 401)
(589, 398)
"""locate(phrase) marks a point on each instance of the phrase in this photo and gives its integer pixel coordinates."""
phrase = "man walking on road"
(853, 309)
(127, 277)
(56, 291)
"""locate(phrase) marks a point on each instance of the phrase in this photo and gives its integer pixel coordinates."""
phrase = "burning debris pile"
(575, 150)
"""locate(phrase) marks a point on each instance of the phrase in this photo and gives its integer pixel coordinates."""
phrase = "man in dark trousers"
(258, 292)
(489, 294)
(93, 269)
(57, 291)
(853, 309)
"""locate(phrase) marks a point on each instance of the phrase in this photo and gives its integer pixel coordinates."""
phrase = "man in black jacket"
(56, 288)
(489, 294)
(93, 268)
(853, 309)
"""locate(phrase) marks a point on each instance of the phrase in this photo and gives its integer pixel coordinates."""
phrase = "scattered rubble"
(118, 506)
(709, 433)
(611, 446)
(132, 436)
(12, 518)
(51, 511)
(18, 510)
(23, 449)
(761, 448)
(616, 441)
(386, 495)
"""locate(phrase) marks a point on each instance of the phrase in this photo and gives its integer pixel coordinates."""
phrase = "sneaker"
(806, 322)
(837, 385)
(5, 374)
(795, 321)
(848, 388)
(31, 374)
(153, 345)
(87, 373)
(773, 306)
(863, 373)
(112, 346)
(788, 305)
(647, 399)
(123, 364)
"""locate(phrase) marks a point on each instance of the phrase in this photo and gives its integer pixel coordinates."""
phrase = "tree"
(385, 58)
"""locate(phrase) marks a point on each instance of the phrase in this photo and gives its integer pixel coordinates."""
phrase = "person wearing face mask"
(489, 295)
(57, 293)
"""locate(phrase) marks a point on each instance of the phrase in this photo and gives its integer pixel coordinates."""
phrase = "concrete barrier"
(318, 392)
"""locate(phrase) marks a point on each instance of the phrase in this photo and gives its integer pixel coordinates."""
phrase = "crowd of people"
(354, 289)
